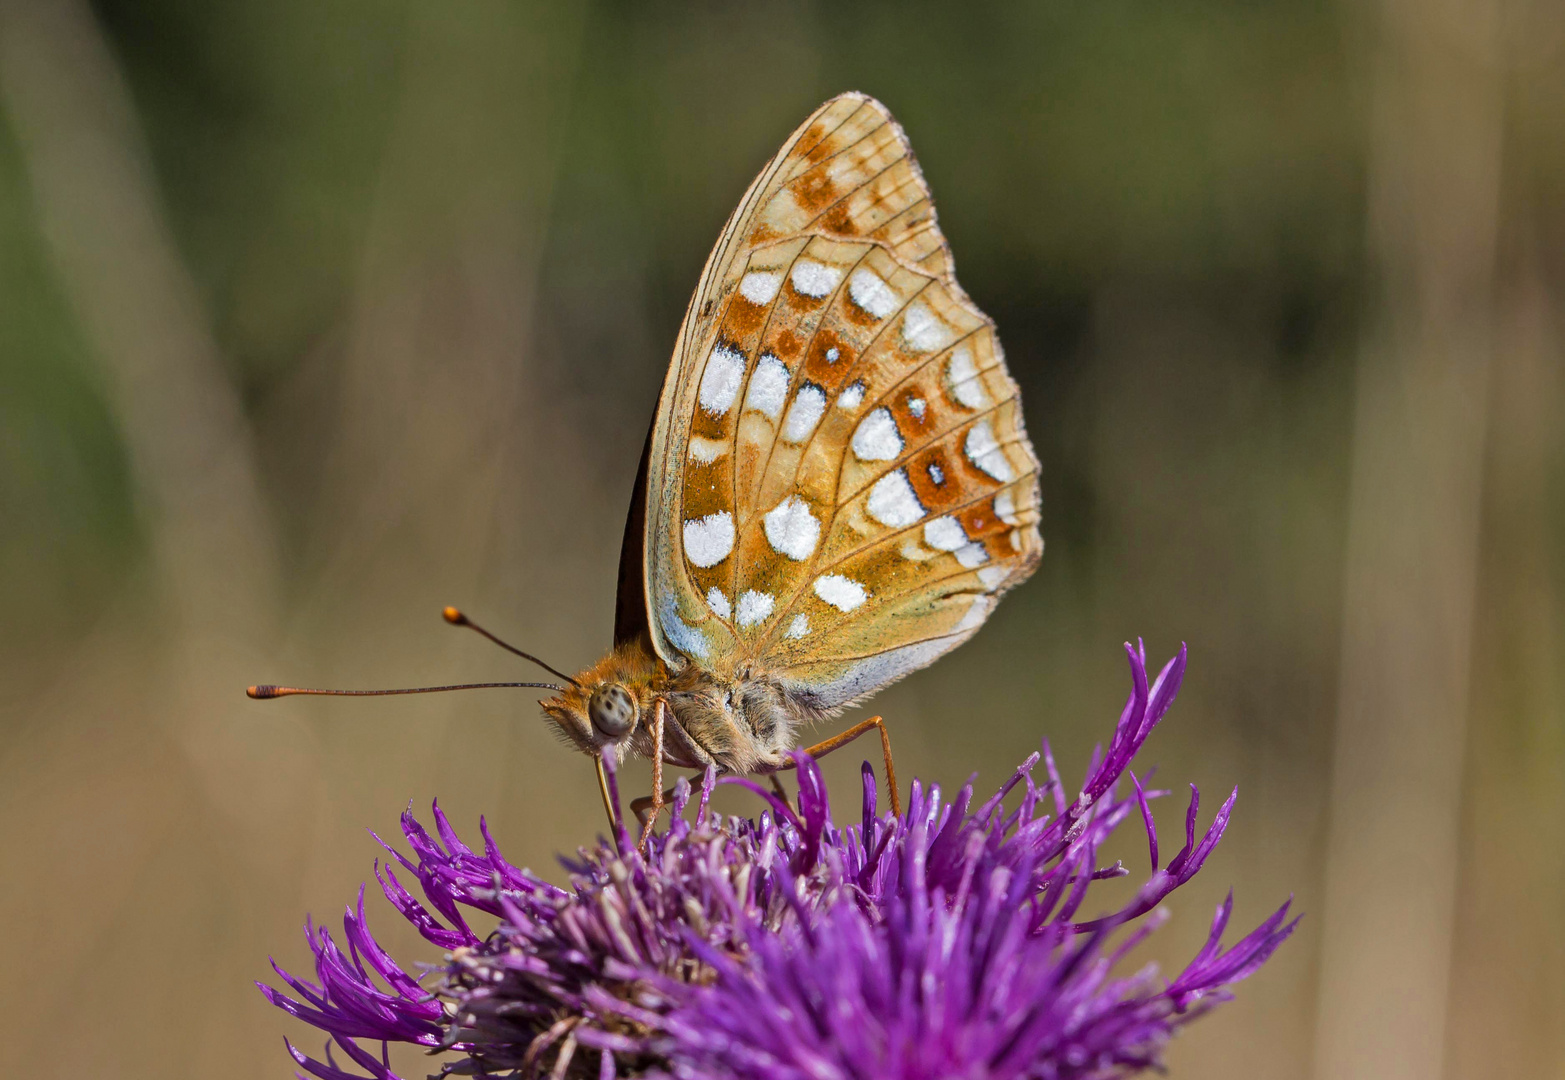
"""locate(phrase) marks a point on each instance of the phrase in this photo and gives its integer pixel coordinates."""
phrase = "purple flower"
(944, 942)
(594, 968)
(566, 970)
(968, 977)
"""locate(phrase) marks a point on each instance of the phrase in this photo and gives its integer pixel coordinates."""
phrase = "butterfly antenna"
(263, 693)
(456, 618)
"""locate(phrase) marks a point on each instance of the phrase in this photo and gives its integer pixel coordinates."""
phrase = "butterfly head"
(605, 705)
(594, 716)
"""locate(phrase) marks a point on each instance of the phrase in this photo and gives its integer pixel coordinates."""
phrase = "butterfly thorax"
(741, 720)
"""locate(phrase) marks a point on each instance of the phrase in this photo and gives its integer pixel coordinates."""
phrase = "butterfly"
(837, 487)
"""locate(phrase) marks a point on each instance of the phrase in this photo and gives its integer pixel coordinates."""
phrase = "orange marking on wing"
(707, 426)
(705, 497)
(828, 373)
(858, 316)
(742, 318)
(787, 344)
(935, 497)
(839, 221)
(980, 521)
(815, 191)
(913, 426)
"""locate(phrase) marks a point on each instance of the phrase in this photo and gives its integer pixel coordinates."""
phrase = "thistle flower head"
(947, 941)
(957, 969)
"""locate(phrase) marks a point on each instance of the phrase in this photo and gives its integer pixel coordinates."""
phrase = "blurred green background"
(315, 317)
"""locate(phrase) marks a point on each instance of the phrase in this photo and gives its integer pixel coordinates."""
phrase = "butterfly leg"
(659, 712)
(641, 807)
(781, 794)
(837, 742)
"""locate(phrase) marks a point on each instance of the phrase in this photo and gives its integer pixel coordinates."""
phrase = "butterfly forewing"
(839, 484)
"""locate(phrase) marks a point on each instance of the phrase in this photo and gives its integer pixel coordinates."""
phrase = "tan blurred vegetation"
(317, 317)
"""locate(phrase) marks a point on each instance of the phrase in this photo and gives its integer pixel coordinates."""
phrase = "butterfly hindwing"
(839, 485)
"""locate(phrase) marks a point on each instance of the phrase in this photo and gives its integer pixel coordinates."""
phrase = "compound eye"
(612, 710)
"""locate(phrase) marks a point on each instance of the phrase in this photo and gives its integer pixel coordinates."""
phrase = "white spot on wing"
(791, 529)
(945, 533)
(1005, 508)
(705, 451)
(799, 626)
(809, 404)
(922, 330)
(937, 475)
(720, 381)
(840, 592)
(877, 437)
(962, 376)
(708, 540)
(984, 452)
(832, 354)
(768, 387)
(718, 602)
(892, 501)
(759, 286)
(754, 607)
(971, 555)
(687, 639)
(993, 576)
(815, 279)
(917, 406)
(852, 397)
(869, 292)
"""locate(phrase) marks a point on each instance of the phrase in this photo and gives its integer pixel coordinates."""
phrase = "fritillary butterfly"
(837, 487)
